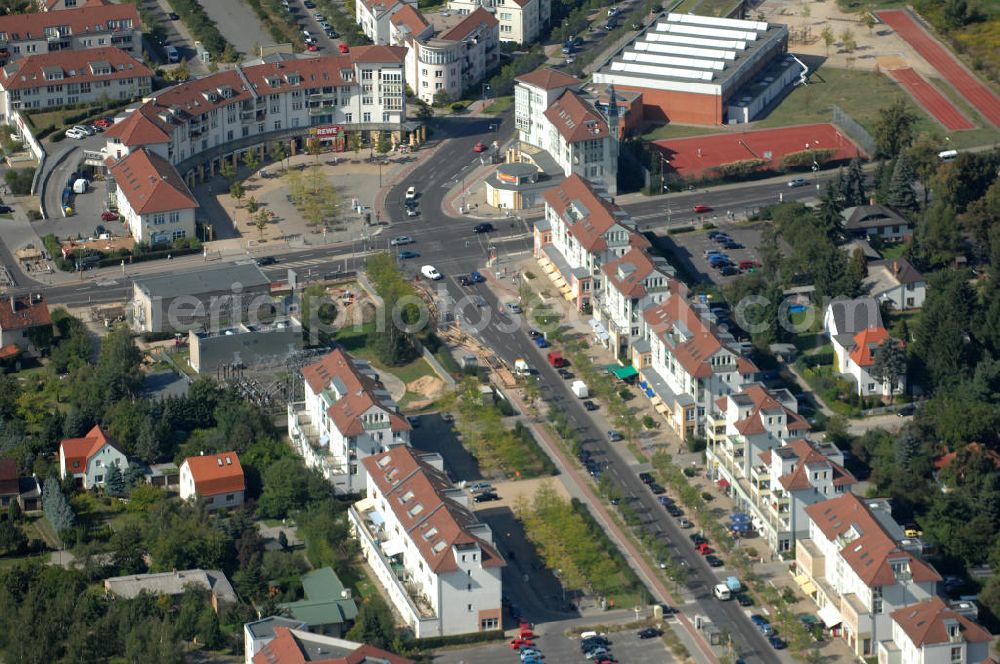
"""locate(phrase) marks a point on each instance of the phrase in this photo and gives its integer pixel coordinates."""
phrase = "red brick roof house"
(934, 632)
(216, 479)
(19, 318)
(293, 646)
(88, 458)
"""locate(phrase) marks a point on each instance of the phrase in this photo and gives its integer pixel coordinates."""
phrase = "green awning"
(621, 373)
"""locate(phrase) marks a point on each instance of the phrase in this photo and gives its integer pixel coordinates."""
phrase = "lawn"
(893, 251)
(354, 340)
(706, 7)
(984, 134)
(679, 131)
(499, 105)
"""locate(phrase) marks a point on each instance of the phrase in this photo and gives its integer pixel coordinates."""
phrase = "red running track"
(931, 99)
(950, 69)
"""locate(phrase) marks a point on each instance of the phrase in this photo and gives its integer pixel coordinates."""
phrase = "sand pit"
(428, 387)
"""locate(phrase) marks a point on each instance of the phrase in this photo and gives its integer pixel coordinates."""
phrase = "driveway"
(238, 24)
(178, 36)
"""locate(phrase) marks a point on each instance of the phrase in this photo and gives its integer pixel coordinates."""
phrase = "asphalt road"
(238, 24)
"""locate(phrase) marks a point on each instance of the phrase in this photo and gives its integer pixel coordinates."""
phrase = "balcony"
(312, 446)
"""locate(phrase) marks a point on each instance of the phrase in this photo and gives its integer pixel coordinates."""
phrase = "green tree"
(901, 195)
(278, 152)
(829, 39)
(260, 221)
(882, 178)
(893, 130)
(114, 482)
(127, 550)
(57, 509)
(118, 366)
(868, 18)
(980, 219)
(937, 238)
(847, 41)
(828, 213)
(14, 512)
(227, 170)
(374, 624)
(852, 188)
(354, 140)
(252, 160)
(940, 337)
(857, 270)
(237, 191)
(384, 143)
(890, 362)
(12, 538)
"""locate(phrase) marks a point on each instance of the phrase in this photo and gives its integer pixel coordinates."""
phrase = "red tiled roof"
(809, 456)
(285, 648)
(694, 354)
(8, 477)
(9, 352)
(865, 343)
(91, 19)
(869, 553)
(359, 393)
(474, 20)
(576, 119)
(925, 623)
(394, 54)
(150, 183)
(549, 79)
(379, 6)
(764, 402)
(216, 473)
(631, 283)
(22, 314)
(407, 15)
(589, 231)
(434, 523)
(74, 67)
(78, 451)
(140, 127)
(945, 460)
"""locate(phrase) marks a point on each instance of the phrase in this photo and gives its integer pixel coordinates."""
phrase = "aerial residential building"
(450, 56)
(197, 124)
(931, 632)
(374, 15)
(89, 458)
(82, 27)
(871, 221)
(215, 298)
(434, 559)
(634, 282)
(22, 317)
(296, 646)
(690, 362)
(68, 78)
(327, 608)
(259, 633)
(215, 480)
(581, 232)
(173, 584)
(855, 330)
(896, 283)
(521, 21)
(860, 569)
(152, 198)
(346, 417)
(553, 114)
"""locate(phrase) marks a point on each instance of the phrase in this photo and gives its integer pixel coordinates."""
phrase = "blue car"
(718, 258)
(542, 342)
(476, 278)
(409, 254)
(776, 642)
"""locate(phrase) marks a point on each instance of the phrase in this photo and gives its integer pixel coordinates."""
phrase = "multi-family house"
(297, 646)
(451, 55)
(581, 232)
(855, 330)
(554, 115)
(931, 632)
(686, 362)
(435, 560)
(92, 26)
(198, 124)
(859, 568)
(67, 78)
(871, 221)
(897, 283)
(374, 15)
(153, 200)
(21, 318)
(214, 480)
(633, 283)
(347, 416)
(521, 21)
(89, 458)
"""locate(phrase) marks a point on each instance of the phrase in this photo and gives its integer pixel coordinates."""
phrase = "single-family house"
(25, 491)
(931, 632)
(89, 458)
(871, 221)
(259, 633)
(152, 198)
(855, 330)
(215, 479)
(20, 318)
(897, 283)
(296, 646)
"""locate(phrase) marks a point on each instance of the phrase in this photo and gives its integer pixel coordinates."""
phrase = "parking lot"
(688, 250)
(626, 647)
(176, 35)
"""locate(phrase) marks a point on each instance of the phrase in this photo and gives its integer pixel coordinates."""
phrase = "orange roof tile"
(549, 79)
(140, 127)
(809, 456)
(72, 67)
(589, 231)
(285, 648)
(630, 283)
(925, 623)
(8, 476)
(9, 352)
(22, 313)
(865, 343)
(407, 15)
(764, 402)
(394, 54)
(435, 523)
(78, 451)
(216, 473)
(576, 119)
(91, 19)
(151, 184)
(476, 19)
(974, 448)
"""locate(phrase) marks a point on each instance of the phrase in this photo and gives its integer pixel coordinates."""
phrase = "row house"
(153, 200)
(521, 21)
(581, 232)
(196, 124)
(347, 416)
(435, 560)
(634, 282)
(932, 632)
(856, 332)
(53, 80)
(95, 25)
(860, 569)
(552, 113)
(686, 362)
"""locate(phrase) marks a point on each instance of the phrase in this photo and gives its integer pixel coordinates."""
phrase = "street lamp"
(486, 88)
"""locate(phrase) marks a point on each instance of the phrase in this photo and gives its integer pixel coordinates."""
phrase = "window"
(98, 479)
(230, 498)
(468, 587)
(956, 653)
(470, 608)
(174, 217)
(366, 117)
(488, 624)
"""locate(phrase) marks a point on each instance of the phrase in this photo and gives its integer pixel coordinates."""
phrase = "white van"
(948, 155)
(722, 592)
(173, 55)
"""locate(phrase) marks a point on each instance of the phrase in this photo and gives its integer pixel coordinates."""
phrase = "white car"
(75, 133)
(430, 272)
(401, 240)
(797, 182)
(86, 129)
(412, 212)
(411, 193)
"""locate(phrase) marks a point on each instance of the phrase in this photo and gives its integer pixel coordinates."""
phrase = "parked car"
(744, 599)
(589, 405)
(104, 122)
(566, 374)
(173, 16)
(479, 487)
(714, 561)
(343, 48)
(513, 308)
(430, 272)
(486, 497)
(776, 642)
(517, 644)
(697, 538)
(657, 489)
(400, 240)
(407, 254)
(614, 436)
(542, 342)
(684, 523)
(728, 271)
(650, 633)
(411, 193)
(75, 133)
(264, 261)
(6, 209)
(674, 511)
(483, 228)
(732, 245)
(479, 147)
(646, 478)
(108, 215)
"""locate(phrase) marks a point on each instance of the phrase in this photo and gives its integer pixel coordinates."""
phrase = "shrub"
(34, 215)
(804, 159)
(19, 180)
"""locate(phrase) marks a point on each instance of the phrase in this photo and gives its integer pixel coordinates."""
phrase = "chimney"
(895, 268)
(13, 304)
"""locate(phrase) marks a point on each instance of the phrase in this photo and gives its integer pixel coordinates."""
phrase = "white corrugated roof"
(721, 22)
(656, 59)
(655, 70)
(640, 81)
(698, 31)
(665, 38)
(684, 50)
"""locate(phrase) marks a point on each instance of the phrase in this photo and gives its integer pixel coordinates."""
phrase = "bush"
(19, 180)
(434, 642)
(201, 26)
(34, 215)
(45, 131)
(804, 159)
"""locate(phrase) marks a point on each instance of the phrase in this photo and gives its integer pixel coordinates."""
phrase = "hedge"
(110, 261)
(200, 26)
(433, 642)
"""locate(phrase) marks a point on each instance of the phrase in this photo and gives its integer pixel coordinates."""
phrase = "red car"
(108, 215)
(704, 549)
(312, 47)
(343, 47)
(702, 208)
(104, 122)
(479, 147)
(516, 644)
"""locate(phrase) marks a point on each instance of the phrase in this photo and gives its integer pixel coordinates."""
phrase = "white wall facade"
(159, 227)
(96, 471)
(521, 23)
(60, 91)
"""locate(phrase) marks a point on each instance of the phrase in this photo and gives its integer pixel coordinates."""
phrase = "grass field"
(982, 135)
(706, 7)
(679, 131)
(355, 341)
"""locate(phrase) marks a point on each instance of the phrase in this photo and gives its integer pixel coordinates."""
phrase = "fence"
(854, 130)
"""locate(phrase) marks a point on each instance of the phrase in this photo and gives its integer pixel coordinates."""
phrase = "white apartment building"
(686, 362)
(521, 21)
(860, 569)
(90, 76)
(373, 17)
(92, 26)
(931, 632)
(346, 417)
(153, 200)
(436, 561)
(634, 282)
(450, 55)
(198, 123)
(581, 232)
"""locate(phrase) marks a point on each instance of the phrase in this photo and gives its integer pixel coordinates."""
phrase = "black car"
(713, 561)
(744, 599)
(656, 489)
(597, 640)
(173, 16)
(732, 245)
(674, 511)
(637, 26)
(646, 478)
(483, 228)
(309, 4)
(566, 374)
(729, 271)
(650, 633)
(534, 334)
(486, 497)
(697, 538)
(267, 260)
(589, 405)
